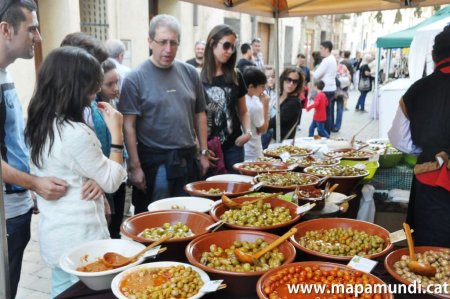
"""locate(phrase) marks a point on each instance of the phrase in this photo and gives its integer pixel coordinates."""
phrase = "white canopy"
(421, 47)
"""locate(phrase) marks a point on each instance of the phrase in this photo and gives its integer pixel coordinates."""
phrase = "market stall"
(228, 240)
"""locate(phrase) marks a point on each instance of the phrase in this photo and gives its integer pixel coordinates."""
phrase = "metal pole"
(5, 292)
(277, 73)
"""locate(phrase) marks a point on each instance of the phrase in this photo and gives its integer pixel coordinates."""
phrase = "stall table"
(79, 290)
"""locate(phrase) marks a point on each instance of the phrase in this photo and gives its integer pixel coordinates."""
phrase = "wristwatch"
(204, 152)
(249, 132)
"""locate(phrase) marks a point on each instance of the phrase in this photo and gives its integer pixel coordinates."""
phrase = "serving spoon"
(114, 259)
(251, 258)
(233, 204)
(415, 266)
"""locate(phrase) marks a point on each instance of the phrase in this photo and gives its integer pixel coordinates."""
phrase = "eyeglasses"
(164, 42)
(227, 46)
(290, 80)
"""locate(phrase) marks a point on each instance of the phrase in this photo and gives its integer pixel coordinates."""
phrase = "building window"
(94, 18)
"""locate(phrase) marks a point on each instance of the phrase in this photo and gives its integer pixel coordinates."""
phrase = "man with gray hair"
(116, 51)
(163, 105)
(197, 61)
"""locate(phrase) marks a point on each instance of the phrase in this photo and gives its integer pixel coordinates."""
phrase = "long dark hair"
(66, 79)
(209, 65)
(286, 73)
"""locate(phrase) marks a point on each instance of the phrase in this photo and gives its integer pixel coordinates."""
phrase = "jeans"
(336, 118)
(266, 138)
(328, 124)
(139, 200)
(362, 100)
(320, 125)
(117, 214)
(18, 230)
(233, 155)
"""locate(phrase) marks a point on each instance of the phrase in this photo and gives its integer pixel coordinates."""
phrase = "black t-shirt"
(290, 113)
(221, 107)
(193, 62)
(243, 64)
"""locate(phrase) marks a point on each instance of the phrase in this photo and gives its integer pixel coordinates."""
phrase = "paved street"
(35, 279)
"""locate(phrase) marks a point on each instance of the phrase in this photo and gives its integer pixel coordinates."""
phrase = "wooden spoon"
(233, 204)
(113, 259)
(414, 265)
(251, 258)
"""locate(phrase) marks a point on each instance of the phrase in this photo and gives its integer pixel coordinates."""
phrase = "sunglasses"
(290, 80)
(227, 46)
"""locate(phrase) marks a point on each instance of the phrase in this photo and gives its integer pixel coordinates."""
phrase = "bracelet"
(118, 146)
(116, 150)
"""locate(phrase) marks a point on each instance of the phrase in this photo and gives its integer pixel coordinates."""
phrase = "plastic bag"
(366, 210)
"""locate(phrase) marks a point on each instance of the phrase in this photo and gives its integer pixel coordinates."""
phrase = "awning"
(299, 8)
(403, 39)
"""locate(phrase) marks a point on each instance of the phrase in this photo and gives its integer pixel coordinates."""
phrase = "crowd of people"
(93, 124)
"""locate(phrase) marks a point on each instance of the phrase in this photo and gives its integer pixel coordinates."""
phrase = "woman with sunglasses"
(291, 84)
(228, 118)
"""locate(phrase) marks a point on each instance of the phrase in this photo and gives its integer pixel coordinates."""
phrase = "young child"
(320, 114)
(257, 105)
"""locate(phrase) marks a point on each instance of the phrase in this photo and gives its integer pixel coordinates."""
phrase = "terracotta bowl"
(364, 155)
(218, 210)
(324, 266)
(196, 221)
(238, 283)
(230, 189)
(324, 223)
(346, 183)
(295, 151)
(304, 199)
(274, 167)
(274, 188)
(314, 161)
(395, 256)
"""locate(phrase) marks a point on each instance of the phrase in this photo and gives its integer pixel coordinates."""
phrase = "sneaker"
(365, 111)
(334, 130)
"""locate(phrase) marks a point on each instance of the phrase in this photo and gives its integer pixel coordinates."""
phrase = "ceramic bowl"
(189, 203)
(118, 280)
(323, 266)
(358, 156)
(396, 255)
(230, 189)
(196, 221)
(238, 283)
(324, 223)
(255, 168)
(89, 252)
(274, 187)
(218, 210)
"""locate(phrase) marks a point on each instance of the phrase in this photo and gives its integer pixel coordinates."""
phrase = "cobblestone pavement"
(35, 280)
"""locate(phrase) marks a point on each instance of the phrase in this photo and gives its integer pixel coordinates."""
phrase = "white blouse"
(75, 157)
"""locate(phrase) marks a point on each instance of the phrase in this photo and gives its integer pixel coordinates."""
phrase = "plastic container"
(370, 166)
